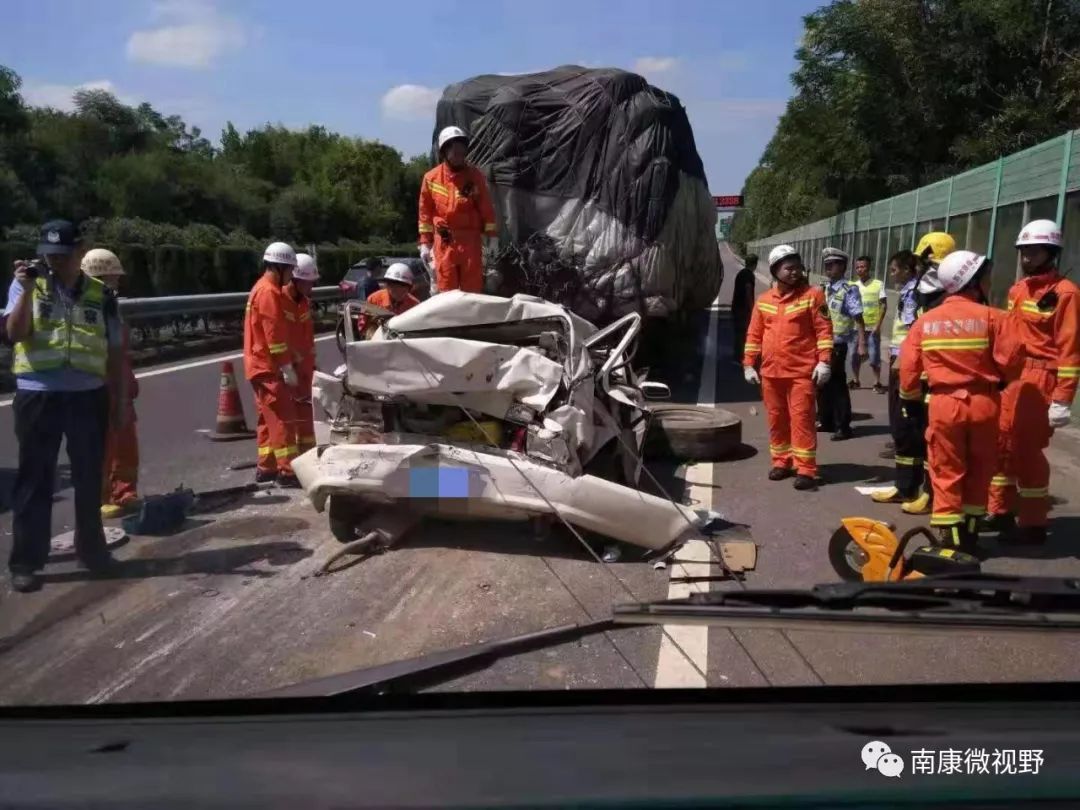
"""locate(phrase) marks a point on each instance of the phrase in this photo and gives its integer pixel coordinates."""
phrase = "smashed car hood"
(487, 377)
(456, 309)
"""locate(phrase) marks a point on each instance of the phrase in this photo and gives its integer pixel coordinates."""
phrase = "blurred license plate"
(439, 482)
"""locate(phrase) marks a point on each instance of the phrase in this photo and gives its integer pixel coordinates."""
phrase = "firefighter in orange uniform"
(120, 477)
(298, 291)
(964, 352)
(791, 333)
(1044, 317)
(396, 294)
(269, 366)
(456, 217)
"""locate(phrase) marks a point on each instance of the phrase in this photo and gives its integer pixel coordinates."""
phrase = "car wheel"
(345, 513)
(691, 432)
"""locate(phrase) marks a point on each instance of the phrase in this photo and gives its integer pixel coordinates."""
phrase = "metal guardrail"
(179, 305)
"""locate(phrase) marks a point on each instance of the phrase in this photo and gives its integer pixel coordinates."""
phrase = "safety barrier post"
(915, 218)
(1065, 157)
(994, 210)
(948, 207)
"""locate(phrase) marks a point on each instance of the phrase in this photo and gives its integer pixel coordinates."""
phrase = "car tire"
(691, 432)
(345, 513)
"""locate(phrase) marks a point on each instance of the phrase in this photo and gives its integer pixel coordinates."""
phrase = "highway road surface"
(229, 606)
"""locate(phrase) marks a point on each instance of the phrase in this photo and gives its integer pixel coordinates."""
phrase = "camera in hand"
(35, 268)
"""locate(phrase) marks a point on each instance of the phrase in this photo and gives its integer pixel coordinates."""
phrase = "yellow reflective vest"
(871, 301)
(72, 337)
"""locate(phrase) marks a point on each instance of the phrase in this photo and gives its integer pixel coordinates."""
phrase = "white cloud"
(655, 65)
(60, 96)
(410, 102)
(194, 36)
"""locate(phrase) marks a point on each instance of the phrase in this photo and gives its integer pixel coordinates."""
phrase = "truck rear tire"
(691, 432)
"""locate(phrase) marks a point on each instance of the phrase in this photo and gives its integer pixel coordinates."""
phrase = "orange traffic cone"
(230, 423)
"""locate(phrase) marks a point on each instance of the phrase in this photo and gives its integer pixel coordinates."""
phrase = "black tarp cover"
(600, 161)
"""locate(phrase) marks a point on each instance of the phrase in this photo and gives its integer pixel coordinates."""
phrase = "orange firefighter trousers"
(120, 481)
(460, 265)
(789, 405)
(961, 448)
(275, 430)
(1022, 480)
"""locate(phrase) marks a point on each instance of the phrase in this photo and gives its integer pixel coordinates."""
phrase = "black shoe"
(804, 483)
(264, 477)
(842, 435)
(880, 389)
(1003, 523)
(823, 428)
(780, 473)
(25, 581)
(288, 482)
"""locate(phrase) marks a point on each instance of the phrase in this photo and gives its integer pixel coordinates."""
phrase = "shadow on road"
(1060, 544)
(845, 473)
(236, 561)
(497, 537)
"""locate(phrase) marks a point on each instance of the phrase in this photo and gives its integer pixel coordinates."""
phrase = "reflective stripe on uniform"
(973, 510)
(799, 306)
(752, 347)
(1068, 372)
(825, 344)
(946, 518)
(438, 188)
(1002, 481)
(489, 227)
(954, 344)
(770, 308)
(911, 394)
(811, 454)
(426, 227)
(265, 451)
(1037, 492)
(908, 461)
(278, 348)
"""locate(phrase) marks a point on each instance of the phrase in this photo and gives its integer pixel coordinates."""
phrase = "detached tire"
(691, 432)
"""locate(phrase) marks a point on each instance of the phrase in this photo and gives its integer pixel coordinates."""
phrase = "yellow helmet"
(939, 245)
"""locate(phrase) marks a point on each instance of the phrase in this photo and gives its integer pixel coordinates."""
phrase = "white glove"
(426, 256)
(288, 374)
(750, 375)
(1059, 415)
(822, 374)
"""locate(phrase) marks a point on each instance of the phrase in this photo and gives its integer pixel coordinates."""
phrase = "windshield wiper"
(947, 603)
(952, 601)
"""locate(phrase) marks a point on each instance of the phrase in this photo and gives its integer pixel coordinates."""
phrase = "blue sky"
(375, 70)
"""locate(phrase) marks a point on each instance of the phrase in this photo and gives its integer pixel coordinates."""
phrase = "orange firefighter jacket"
(958, 344)
(303, 332)
(382, 298)
(1044, 316)
(268, 329)
(457, 202)
(790, 332)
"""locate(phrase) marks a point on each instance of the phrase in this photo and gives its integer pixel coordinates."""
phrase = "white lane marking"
(217, 358)
(673, 670)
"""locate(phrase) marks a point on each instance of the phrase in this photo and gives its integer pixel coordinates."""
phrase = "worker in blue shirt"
(846, 312)
(68, 344)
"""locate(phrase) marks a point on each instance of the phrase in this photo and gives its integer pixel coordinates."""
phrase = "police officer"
(846, 312)
(68, 343)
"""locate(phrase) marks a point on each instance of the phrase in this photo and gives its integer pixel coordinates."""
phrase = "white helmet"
(399, 271)
(101, 263)
(930, 283)
(279, 253)
(1040, 232)
(450, 134)
(779, 253)
(958, 268)
(306, 269)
